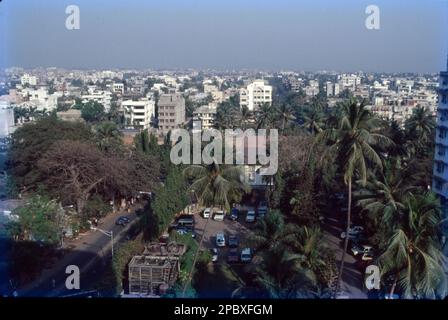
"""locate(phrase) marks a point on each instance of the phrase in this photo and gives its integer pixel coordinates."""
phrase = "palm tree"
(279, 275)
(313, 121)
(108, 135)
(420, 126)
(272, 232)
(383, 198)
(285, 115)
(264, 116)
(353, 143)
(245, 115)
(215, 185)
(413, 255)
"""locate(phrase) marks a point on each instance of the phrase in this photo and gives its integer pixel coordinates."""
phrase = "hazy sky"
(226, 34)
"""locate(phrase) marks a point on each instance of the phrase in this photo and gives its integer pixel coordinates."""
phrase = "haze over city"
(262, 35)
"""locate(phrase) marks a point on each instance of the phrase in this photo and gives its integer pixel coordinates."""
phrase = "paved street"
(352, 279)
(90, 252)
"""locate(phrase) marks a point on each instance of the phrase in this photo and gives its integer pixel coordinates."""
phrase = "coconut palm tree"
(279, 275)
(285, 115)
(354, 143)
(215, 185)
(383, 198)
(413, 255)
(272, 232)
(264, 116)
(245, 116)
(420, 126)
(108, 136)
(313, 121)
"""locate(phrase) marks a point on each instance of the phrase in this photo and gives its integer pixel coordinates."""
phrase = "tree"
(279, 275)
(92, 112)
(32, 140)
(108, 136)
(264, 116)
(215, 185)
(354, 143)
(413, 255)
(285, 115)
(38, 221)
(272, 232)
(420, 127)
(313, 121)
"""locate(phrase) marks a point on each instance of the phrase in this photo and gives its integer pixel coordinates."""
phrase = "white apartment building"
(6, 119)
(349, 81)
(138, 114)
(118, 87)
(256, 94)
(28, 79)
(41, 98)
(100, 96)
(206, 115)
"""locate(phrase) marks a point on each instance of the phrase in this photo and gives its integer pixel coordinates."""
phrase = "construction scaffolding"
(156, 270)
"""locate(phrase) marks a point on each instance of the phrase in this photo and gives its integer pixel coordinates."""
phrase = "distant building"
(103, 97)
(6, 120)
(28, 79)
(256, 94)
(138, 114)
(206, 115)
(118, 88)
(171, 111)
(72, 115)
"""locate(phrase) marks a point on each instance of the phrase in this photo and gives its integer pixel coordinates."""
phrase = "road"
(91, 254)
(352, 278)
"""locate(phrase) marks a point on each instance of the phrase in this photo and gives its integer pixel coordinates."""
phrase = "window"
(442, 133)
(441, 151)
(439, 184)
(440, 167)
(444, 98)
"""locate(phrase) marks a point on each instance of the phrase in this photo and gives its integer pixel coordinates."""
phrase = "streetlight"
(110, 234)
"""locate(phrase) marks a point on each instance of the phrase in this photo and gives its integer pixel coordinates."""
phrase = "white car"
(214, 253)
(250, 217)
(357, 250)
(246, 255)
(220, 239)
(219, 215)
(206, 213)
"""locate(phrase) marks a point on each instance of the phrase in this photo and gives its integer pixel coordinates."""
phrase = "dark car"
(122, 221)
(233, 255)
(262, 209)
(234, 213)
(233, 241)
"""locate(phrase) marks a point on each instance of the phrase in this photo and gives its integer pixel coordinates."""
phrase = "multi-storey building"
(103, 97)
(206, 115)
(28, 79)
(171, 111)
(440, 170)
(138, 114)
(256, 94)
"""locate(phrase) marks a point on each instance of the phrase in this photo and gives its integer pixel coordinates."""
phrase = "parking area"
(238, 228)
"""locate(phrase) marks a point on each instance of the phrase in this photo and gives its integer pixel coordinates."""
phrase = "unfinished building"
(156, 270)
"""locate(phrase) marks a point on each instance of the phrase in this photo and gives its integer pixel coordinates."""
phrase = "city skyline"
(280, 36)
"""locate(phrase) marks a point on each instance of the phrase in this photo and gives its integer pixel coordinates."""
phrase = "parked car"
(250, 216)
(122, 221)
(234, 213)
(233, 241)
(219, 215)
(220, 239)
(262, 209)
(206, 213)
(246, 255)
(232, 256)
(354, 232)
(214, 253)
(358, 250)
